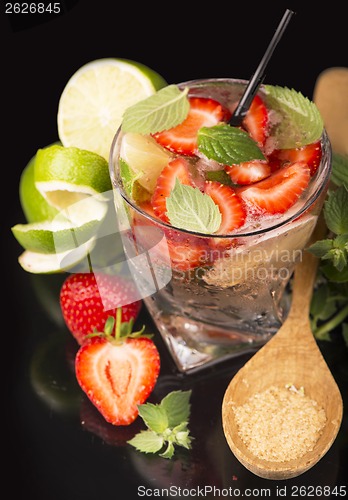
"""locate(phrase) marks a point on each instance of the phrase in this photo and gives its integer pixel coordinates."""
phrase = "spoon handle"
(305, 275)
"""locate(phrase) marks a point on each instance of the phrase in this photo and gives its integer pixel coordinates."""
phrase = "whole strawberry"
(87, 300)
(118, 369)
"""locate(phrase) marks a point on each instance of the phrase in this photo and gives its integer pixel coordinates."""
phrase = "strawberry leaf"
(188, 208)
(161, 111)
(147, 441)
(227, 145)
(300, 123)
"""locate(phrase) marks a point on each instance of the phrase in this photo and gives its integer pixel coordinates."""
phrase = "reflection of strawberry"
(176, 169)
(118, 371)
(182, 139)
(256, 121)
(310, 154)
(230, 206)
(86, 302)
(248, 172)
(280, 190)
(93, 421)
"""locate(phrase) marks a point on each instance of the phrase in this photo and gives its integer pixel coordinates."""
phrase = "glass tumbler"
(213, 297)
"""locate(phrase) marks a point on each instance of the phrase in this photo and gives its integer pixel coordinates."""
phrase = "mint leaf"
(321, 248)
(188, 208)
(147, 441)
(177, 407)
(301, 122)
(154, 416)
(169, 451)
(339, 175)
(219, 176)
(333, 274)
(161, 111)
(227, 145)
(168, 421)
(336, 211)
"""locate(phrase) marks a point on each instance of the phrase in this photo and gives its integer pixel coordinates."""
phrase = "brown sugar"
(280, 423)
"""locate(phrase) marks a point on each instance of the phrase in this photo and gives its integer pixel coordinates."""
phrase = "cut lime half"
(93, 101)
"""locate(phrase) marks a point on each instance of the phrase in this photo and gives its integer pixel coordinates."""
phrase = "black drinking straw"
(259, 75)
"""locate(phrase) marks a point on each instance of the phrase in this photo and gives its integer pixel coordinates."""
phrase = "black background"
(181, 41)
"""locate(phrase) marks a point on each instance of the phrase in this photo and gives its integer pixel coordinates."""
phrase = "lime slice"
(34, 205)
(62, 233)
(145, 158)
(64, 176)
(94, 99)
(48, 263)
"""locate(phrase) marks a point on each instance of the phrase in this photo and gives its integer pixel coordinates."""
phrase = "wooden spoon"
(292, 355)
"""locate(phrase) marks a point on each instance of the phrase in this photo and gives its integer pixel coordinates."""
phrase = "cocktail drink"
(213, 216)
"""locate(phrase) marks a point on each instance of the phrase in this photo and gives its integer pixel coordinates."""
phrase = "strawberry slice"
(310, 154)
(248, 172)
(176, 169)
(280, 190)
(182, 139)
(230, 206)
(185, 251)
(118, 372)
(256, 121)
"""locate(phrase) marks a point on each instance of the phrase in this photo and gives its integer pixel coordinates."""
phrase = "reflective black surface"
(64, 449)
(55, 445)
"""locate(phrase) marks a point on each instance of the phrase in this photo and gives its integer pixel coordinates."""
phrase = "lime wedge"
(145, 158)
(64, 176)
(34, 205)
(94, 99)
(43, 263)
(63, 232)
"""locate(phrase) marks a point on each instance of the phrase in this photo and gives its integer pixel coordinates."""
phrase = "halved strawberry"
(256, 121)
(118, 372)
(280, 190)
(310, 154)
(248, 172)
(176, 169)
(204, 112)
(230, 206)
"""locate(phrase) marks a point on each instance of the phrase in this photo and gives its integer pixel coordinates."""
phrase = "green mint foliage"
(177, 407)
(339, 174)
(336, 211)
(329, 308)
(300, 123)
(188, 208)
(227, 145)
(163, 110)
(219, 176)
(167, 425)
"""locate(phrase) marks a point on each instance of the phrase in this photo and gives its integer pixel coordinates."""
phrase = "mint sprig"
(188, 208)
(167, 425)
(300, 123)
(163, 110)
(329, 307)
(227, 145)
